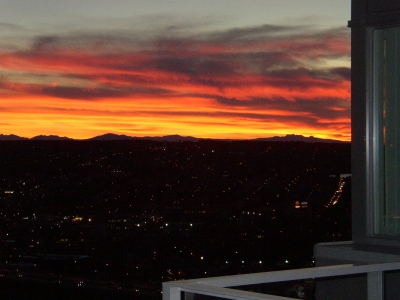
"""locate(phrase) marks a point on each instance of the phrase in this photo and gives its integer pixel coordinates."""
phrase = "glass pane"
(386, 74)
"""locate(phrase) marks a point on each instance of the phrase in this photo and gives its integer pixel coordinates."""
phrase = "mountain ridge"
(168, 138)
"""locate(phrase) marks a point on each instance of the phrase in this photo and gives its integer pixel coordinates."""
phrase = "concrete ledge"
(348, 252)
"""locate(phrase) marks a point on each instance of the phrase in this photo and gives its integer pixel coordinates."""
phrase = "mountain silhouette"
(167, 138)
(11, 137)
(50, 138)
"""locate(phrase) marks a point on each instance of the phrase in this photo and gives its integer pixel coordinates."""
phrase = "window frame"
(373, 144)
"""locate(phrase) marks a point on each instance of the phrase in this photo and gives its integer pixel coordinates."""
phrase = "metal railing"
(218, 286)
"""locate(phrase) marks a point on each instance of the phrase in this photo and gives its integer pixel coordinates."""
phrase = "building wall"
(383, 5)
(366, 14)
(353, 287)
(363, 249)
(358, 108)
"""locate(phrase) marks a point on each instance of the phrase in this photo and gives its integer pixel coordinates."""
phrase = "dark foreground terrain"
(114, 219)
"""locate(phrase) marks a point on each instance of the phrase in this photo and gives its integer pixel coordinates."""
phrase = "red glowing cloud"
(241, 83)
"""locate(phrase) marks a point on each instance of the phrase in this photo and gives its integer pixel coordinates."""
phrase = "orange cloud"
(248, 83)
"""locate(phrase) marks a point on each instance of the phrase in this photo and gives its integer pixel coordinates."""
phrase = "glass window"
(385, 139)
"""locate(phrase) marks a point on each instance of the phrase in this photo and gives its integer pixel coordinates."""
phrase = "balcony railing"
(218, 286)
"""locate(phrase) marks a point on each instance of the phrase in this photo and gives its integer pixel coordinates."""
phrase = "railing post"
(216, 286)
(170, 292)
(375, 285)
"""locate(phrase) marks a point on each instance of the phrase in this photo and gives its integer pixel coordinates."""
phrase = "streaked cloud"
(9, 26)
(291, 77)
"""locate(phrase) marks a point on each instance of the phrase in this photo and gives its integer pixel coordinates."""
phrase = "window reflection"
(386, 133)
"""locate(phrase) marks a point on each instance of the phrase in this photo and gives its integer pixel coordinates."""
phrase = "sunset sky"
(238, 69)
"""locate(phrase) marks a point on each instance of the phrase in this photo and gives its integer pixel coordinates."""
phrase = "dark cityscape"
(115, 219)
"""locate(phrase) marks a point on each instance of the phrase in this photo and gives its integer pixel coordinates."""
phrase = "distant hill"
(50, 138)
(110, 137)
(298, 138)
(11, 137)
(172, 138)
(167, 138)
(179, 138)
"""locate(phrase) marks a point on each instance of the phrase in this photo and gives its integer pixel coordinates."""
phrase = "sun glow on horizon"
(240, 83)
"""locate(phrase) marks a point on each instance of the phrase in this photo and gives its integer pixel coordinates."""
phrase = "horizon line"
(122, 136)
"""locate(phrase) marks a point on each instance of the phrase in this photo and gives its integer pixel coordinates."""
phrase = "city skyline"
(237, 69)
